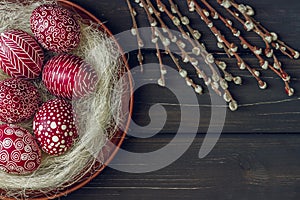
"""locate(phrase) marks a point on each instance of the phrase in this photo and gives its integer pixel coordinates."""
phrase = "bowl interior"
(110, 149)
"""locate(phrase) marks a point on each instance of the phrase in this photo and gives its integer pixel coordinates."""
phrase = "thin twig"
(262, 31)
(254, 49)
(135, 32)
(213, 82)
(231, 46)
(161, 81)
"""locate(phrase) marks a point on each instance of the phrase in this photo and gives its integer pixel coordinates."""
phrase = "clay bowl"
(109, 150)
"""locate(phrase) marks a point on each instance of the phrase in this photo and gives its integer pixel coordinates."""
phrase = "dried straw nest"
(98, 112)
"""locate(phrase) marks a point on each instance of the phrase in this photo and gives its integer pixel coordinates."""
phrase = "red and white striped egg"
(19, 100)
(55, 28)
(19, 152)
(54, 126)
(69, 76)
(20, 54)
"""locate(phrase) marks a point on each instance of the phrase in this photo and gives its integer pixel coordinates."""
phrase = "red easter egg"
(69, 76)
(19, 152)
(20, 54)
(19, 100)
(55, 28)
(54, 126)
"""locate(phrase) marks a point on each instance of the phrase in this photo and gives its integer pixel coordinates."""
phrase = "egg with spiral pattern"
(55, 28)
(19, 152)
(69, 76)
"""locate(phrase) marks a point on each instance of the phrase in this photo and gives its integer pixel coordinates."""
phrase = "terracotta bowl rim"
(119, 140)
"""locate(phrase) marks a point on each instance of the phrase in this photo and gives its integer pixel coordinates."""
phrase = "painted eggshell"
(19, 152)
(20, 55)
(55, 28)
(69, 76)
(19, 100)
(54, 126)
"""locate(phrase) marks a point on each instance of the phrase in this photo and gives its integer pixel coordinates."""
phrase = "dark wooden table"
(257, 156)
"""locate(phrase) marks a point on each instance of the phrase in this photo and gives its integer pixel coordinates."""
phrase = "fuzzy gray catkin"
(56, 173)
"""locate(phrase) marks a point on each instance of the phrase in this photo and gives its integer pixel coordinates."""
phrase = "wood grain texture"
(266, 111)
(242, 165)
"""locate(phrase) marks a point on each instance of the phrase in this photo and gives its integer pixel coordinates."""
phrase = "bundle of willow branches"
(218, 77)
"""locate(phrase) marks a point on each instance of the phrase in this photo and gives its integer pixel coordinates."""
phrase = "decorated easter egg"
(54, 126)
(19, 100)
(55, 28)
(69, 76)
(19, 152)
(20, 54)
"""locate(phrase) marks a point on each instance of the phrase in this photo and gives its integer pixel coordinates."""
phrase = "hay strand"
(57, 173)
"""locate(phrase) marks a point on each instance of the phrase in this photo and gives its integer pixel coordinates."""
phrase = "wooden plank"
(266, 111)
(239, 167)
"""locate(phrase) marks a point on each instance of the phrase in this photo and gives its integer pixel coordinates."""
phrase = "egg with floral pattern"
(19, 100)
(55, 28)
(19, 152)
(54, 126)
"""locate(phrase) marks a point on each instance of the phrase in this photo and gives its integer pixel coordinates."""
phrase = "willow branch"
(250, 23)
(231, 46)
(135, 32)
(254, 49)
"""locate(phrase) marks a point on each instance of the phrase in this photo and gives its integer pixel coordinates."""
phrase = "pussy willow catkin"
(169, 14)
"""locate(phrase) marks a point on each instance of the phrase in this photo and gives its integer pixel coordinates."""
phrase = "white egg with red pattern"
(54, 127)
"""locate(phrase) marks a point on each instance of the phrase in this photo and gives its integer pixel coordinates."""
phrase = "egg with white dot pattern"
(54, 127)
